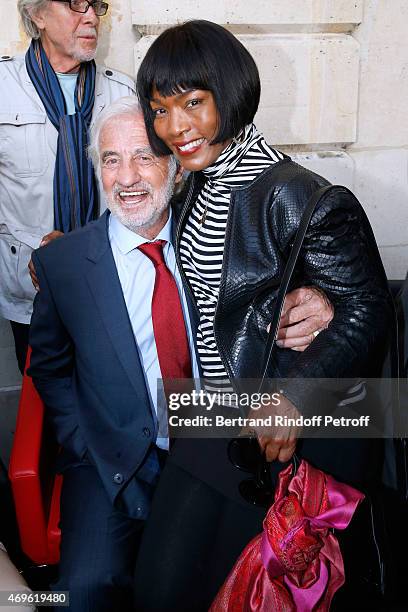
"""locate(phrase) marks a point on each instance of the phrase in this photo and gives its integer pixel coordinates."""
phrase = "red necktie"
(167, 316)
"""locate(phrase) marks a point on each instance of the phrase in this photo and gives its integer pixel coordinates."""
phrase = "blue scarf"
(75, 190)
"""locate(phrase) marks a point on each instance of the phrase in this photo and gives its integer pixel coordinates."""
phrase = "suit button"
(13, 249)
(146, 432)
(118, 478)
(108, 72)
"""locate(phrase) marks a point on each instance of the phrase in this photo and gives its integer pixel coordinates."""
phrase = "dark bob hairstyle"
(201, 55)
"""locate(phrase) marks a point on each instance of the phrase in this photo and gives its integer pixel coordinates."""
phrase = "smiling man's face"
(138, 185)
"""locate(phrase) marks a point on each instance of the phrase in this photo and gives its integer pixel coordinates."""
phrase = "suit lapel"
(106, 289)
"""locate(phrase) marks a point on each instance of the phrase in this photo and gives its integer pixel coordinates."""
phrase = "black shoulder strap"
(287, 274)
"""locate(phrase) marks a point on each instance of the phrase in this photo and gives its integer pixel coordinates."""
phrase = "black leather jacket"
(339, 256)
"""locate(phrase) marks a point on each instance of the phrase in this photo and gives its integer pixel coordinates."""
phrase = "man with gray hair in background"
(109, 320)
(49, 97)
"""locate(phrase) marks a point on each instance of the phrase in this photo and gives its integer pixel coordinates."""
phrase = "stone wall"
(335, 86)
(335, 81)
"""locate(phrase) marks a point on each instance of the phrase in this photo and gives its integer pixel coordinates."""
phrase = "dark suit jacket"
(85, 362)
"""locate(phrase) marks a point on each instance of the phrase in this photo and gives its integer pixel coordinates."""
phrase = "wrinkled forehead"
(124, 129)
(59, 10)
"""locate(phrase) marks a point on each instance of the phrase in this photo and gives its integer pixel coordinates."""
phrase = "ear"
(39, 17)
(179, 174)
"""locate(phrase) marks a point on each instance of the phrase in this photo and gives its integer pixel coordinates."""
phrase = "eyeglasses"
(245, 454)
(81, 6)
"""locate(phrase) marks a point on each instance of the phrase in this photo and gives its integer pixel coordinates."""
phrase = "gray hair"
(27, 8)
(128, 105)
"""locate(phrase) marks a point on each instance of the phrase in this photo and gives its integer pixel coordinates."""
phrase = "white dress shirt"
(137, 276)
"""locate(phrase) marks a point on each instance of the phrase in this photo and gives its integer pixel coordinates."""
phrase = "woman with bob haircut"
(199, 90)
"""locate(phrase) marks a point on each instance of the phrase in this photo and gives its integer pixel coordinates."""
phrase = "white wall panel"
(336, 166)
(155, 12)
(309, 86)
(383, 83)
(381, 183)
(379, 180)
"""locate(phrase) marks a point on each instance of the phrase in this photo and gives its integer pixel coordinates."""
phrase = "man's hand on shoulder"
(45, 240)
(306, 312)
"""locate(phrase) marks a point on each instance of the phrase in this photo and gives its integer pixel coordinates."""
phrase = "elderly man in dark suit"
(95, 360)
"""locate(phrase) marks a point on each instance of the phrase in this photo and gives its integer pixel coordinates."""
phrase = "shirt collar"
(233, 154)
(127, 241)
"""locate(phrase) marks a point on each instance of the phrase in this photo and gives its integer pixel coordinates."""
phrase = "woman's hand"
(279, 441)
(306, 311)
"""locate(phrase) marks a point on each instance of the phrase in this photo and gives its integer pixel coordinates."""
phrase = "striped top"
(202, 241)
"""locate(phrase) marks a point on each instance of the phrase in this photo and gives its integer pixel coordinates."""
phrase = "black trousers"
(99, 546)
(195, 533)
(20, 334)
(192, 539)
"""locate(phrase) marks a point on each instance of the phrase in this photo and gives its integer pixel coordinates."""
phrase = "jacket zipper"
(222, 285)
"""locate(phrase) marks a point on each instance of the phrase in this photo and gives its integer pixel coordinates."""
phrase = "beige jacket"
(28, 145)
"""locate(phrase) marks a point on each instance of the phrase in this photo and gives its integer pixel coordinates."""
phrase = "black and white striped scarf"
(202, 241)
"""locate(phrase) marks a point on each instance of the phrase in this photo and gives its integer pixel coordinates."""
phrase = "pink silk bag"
(296, 563)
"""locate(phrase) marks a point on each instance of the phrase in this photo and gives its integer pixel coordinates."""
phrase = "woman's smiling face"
(187, 122)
